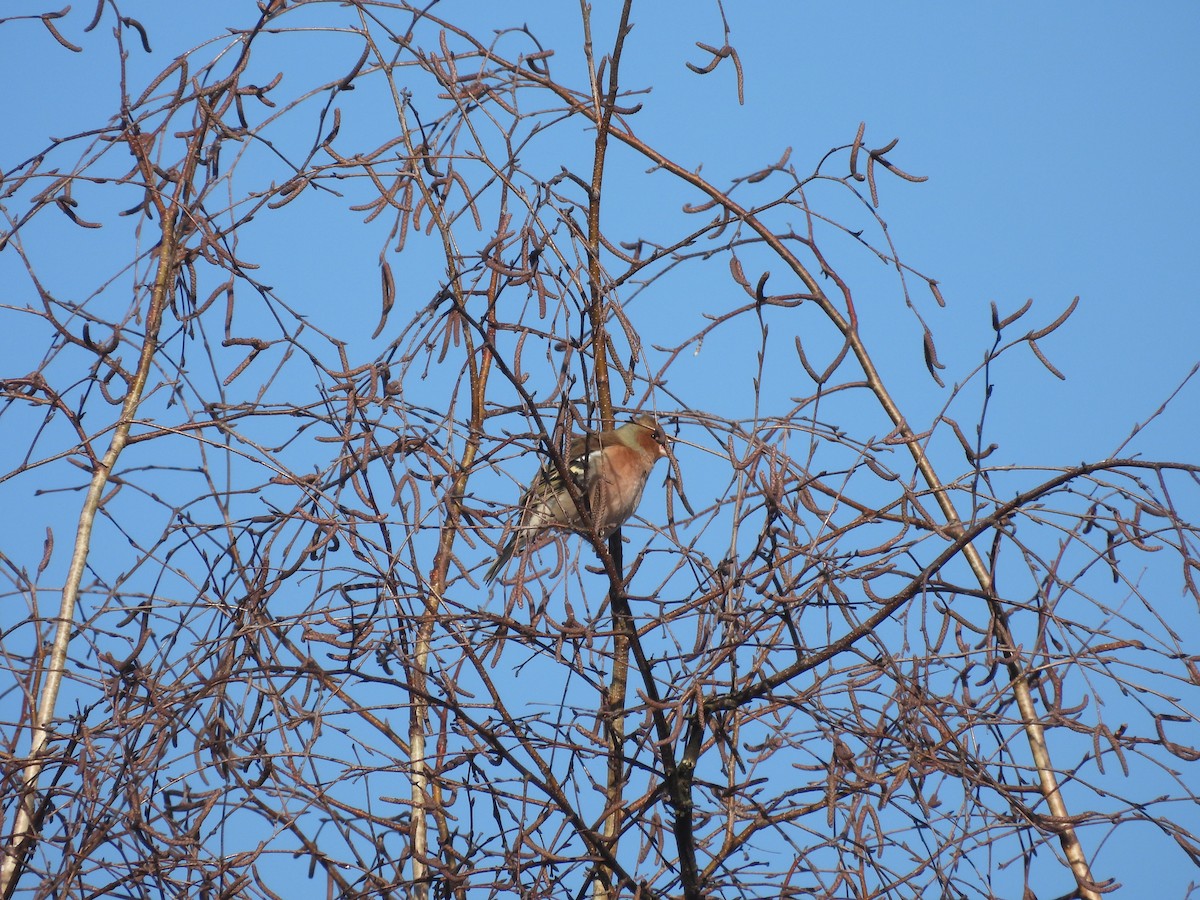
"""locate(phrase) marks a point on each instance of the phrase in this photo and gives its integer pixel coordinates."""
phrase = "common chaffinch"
(609, 468)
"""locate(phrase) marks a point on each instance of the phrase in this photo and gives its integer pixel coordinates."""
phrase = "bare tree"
(857, 657)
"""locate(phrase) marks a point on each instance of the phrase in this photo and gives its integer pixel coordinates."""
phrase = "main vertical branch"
(24, 833)
(613, 698)
(479, 361)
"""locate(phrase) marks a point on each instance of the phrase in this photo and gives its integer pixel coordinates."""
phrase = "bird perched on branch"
(609, 469)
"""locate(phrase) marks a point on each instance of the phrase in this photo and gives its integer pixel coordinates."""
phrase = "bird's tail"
(506, 553)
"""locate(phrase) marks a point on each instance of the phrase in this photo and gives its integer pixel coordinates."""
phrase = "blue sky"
(1056, 139)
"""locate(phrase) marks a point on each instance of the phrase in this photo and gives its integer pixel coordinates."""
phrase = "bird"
(609, 468)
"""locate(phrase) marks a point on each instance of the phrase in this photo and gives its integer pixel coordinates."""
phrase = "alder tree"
(298, 315)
